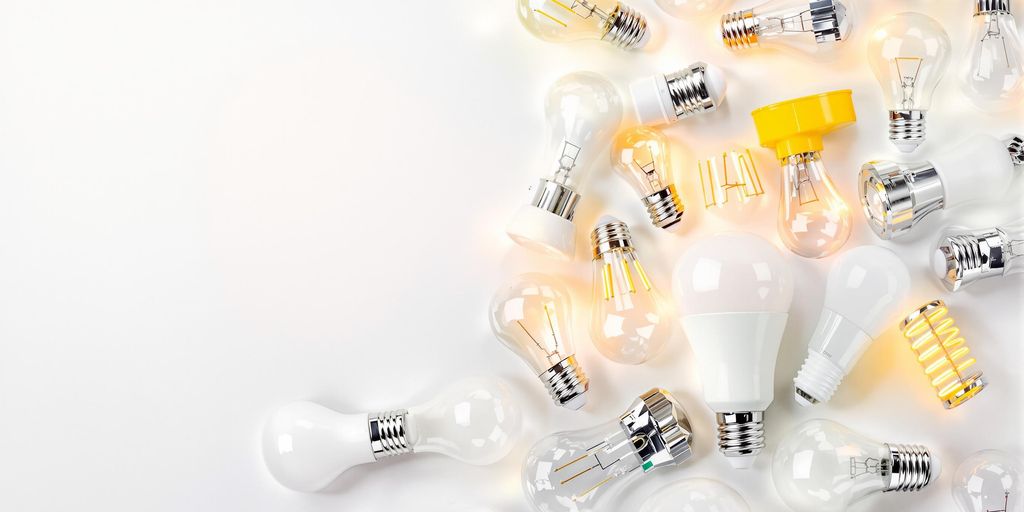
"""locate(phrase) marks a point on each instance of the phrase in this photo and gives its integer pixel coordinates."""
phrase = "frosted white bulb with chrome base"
(640, 156)
(822, 466)
(989, 481)
(573, 20)
(963, 256)
(992, 75)
(669, 98)
(733, 291)
(306, 445)
(805, 25)
(695, 495)
(865, 291)
(583, 110)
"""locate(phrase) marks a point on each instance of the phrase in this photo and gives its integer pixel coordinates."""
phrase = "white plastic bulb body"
(964, 256)
(695, 495)
(987, 481)
(733, 291)
(909, 54)
(575, 20)
(822, 466)
(690, 9)
(640, 155)
(866, 289)
(807, 26)
(583, 111)
(532, 316)
(306, 445)
(992, 75)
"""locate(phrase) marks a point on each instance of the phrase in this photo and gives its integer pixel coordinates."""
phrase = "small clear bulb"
(669, 98)
(989, 481)
(640, 156)
(695, 495)
(573, 20)
(963, 256)
(686, 9)
(806, 25)
(993, 72)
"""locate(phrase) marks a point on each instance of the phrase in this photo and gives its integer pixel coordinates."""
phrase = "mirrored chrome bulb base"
(388, 433)
(610, 235)
(910, 467)
(991, 7)
(827, 20)
(906, 129)
(740, 434)
(970, 256)
(689, 91)
(567, 383)
(660, 429)
(664, 207)
(625, 27)
(556, 198)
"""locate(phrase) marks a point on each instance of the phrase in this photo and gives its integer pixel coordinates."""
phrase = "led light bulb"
(665, 99)
(865, 287)
(895, 197)
(943, 354)
(963, 256)
(573, 20)
(733, 291)
(684, 9)
(993, 71)
(640, 155)
(823, 466)
(908, 53)
(306, 445)
(807, 25)
(989, 481)
(630, 322)
(814, 221)
(731, 184)
(583, 111)
(695, 495)
(532, 316)
(582, 470)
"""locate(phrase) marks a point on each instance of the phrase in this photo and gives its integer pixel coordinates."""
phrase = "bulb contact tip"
(664, 207)
(741, 436)
(626, 28)
(567, 383)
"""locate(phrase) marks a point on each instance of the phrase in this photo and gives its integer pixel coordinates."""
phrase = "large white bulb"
(695, 495)
(306, 445)
(989, 481)
(992, 75)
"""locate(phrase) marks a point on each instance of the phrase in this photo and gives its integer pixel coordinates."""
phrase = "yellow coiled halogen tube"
(943, 353)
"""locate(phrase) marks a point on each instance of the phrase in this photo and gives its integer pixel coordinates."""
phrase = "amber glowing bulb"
(943, 353)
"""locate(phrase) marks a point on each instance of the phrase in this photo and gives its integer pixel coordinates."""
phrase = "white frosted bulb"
(822, 466)
(583, 110)
(686, 9)
(532, 316)
(993, 67)
(866, 288)
(989, 481)
(695, 495)
(306, 445)
(581, 471)
(573, 20)
(908, 53)
(629, 323)
(640, 156)
(806, 25)
(963, 256)
(733, 292)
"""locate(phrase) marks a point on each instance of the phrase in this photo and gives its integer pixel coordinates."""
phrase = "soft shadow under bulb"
(989, 481)
(943, 354)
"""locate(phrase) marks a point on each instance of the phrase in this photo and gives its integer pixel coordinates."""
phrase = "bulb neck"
(906, 129)
(610, 236)
(910, 467)
(741, 434)
(389, 433)
(970, 256)
(689, 92)
(566, 383)
(906, 193)
(991, 7)
(556, 198)
(625, 28)
(664, 207)
(817, 379)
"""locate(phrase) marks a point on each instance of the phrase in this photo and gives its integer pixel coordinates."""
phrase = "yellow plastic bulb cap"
(796, 126)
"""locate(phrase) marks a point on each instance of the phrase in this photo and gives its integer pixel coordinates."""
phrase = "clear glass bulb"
(908, 53)
(823, 466)
(805, 25)
(993, 67)
(989, 481)
(963, 256)
(686, 9)
(629, 323)
(640, 156)
(814, 221)
(306, 445)
(532, 316)
(695, 495)
(573, 20)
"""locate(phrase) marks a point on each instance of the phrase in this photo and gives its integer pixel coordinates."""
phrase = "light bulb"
(814, 221)
(895, 197)
(306, 445)
(630, 322)
(684, 9)
(640, 156)
(963, 256)
(583, 111)
(806, 25)
(573, 20)
(866, 286)
(695, 495)
(733, 291)
(823, 466)
(532, 316)
(666, 99)
(993, 71)
(943, 353)
(582, 470)
(989, 481)
(908, 53)
(731, 183)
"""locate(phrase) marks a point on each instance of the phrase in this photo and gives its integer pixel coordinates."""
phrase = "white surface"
(992, 169)
(210, 209)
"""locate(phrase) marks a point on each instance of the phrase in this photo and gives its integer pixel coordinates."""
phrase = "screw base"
(739, 29)
(740, 436)
(817, 379)
(626, 28)
(911, 467)
(664, 207)
(388, 433)
(567, 383)
(906, 129)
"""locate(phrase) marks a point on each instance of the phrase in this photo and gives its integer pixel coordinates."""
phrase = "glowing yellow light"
(943, 353)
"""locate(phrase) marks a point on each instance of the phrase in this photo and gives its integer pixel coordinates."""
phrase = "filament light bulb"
(666, 99)
(908, 53)
(640, 156)
(993, 72)
(731, 183)
(581, 471)
(572, 20)
(989, 481)
(306, 445)
(963, 256)
(532, 316)
(695, 495)
(943, 354)
(806, 25)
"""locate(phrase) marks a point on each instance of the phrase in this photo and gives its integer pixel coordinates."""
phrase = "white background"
(209, 209)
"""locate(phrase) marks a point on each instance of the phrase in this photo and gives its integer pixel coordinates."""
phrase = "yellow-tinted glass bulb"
(640, 156)
(813, 219)
(574, 20)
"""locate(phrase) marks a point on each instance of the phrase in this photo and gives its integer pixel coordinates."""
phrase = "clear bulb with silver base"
(573, 20)
(806, 25)
(963, 256)
(687, 9)
(695, 495)
(895, 197)
(822, 466)
(640, 156)
(532, 316)
(583, 470)
(908, 53)
(669, 98)
(993, 71)
(989, 481)
(583, 110)
(306, 445)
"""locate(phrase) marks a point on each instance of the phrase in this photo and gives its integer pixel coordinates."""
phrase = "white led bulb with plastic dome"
(695, 495)
(640, 155)
(583, 111)
(306, 445)
(809, 26)
(574, 20)
(689, 9)
(665, 99)
(964, 256)
(992, 75)
(733, 291)
(989, 481)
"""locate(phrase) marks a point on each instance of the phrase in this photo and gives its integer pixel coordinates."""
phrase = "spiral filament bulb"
(943, 353)
(732, 173)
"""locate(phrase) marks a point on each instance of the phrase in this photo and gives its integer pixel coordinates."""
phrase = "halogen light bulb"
(572, 20)
(733, 291)
(640, 156)
(989, 481)
(580, 471)
(823, 466)
(908, 53)
(306, 445)
(630, 322)
(866, 287)
(695, 495)
(684, 9)
(665, 99)
(993, 72)
(806, 25)
(731, 184)
(814, 221)
(963, 256)
(943, 353)
(583, 111)
(532, 316)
